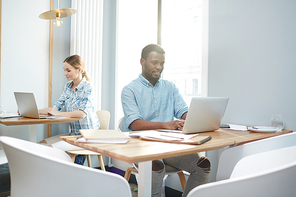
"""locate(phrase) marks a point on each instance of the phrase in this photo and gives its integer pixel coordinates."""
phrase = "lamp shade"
(58, 13)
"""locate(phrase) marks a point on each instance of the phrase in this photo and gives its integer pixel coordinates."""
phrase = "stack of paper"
(171, 137)
(162, 135)
(103, 136)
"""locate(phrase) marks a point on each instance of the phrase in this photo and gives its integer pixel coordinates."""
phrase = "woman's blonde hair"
(77, 62)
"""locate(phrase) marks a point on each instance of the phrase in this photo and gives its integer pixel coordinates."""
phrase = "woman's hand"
(44, 111)
(53, 112)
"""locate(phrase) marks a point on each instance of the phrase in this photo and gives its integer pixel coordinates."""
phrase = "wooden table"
(33, 122)
(143, 152)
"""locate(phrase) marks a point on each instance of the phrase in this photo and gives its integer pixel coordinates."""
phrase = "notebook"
(102, 136)
(27, 106)
(204, 114)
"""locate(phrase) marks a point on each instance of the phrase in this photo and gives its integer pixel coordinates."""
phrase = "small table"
(32, 128)
(33, 122)
(143, 152)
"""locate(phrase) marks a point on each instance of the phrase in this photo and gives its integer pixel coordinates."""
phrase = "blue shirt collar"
(145, 82)
(80, 85)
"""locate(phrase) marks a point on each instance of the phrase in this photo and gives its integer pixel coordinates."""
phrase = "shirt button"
(155, 114)
(155, 101)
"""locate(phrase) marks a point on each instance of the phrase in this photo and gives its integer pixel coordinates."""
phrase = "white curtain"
(86, 39)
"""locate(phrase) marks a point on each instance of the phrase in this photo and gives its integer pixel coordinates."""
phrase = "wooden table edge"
(32, 121)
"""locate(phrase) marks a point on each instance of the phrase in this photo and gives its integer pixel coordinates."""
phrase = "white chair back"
(104, 118)
(37, 170)
(120, 125)
(265, 161)
(229, 157)
(266, 174)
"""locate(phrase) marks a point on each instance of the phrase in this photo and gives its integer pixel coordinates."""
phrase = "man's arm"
(184, 116)
(148, 125)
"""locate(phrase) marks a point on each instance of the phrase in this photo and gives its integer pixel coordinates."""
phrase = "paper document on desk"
(103, 136)
(170, 137)
(162, 135)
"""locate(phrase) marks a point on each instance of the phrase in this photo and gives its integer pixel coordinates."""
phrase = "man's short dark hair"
(149, 48)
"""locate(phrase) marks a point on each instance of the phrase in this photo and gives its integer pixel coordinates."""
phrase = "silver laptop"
(205, 114)
(27, 106)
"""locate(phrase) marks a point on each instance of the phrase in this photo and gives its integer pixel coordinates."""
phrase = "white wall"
(24, 56)
(25, 59)
(252, 47)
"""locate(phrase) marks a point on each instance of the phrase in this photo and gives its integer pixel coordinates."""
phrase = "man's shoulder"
(166, 83)
(133, 84)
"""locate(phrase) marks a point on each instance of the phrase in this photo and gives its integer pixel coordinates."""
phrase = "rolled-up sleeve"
(60, 103)
(130, 107)
(180, 105)
(87, 99)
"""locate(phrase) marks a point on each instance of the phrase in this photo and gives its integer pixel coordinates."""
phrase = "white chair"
(104, 118)
(169, 169)
(231, 156)
(38, 170)
(258, 163)
(271, 173)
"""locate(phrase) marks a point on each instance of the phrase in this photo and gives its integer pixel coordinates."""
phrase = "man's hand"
(175, 124)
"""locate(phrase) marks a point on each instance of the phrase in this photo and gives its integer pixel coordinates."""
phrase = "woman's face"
(70, 72)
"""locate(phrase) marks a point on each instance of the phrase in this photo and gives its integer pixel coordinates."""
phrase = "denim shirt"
(82, 99)
(159, 103)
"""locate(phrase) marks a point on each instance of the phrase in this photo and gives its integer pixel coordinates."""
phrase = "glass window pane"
(137, 27)
(182, 41)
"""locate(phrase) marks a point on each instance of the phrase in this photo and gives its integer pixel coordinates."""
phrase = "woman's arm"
(54, 112)
(74, 114)
(44, 111)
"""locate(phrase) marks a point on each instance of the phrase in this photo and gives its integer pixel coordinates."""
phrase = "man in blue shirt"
(150, 102)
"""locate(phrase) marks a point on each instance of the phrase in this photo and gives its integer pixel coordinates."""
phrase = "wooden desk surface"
(31, 121)
(137, 150)
(240, 137)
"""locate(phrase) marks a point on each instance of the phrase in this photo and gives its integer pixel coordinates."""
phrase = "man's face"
(153, 66)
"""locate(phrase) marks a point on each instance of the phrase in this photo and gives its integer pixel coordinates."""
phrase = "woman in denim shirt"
(78, 98)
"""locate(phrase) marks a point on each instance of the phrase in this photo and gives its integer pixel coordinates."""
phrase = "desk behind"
(32, 121)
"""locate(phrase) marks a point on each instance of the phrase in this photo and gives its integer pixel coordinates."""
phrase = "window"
(182, 40)
(181, 37)
(137, 27)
